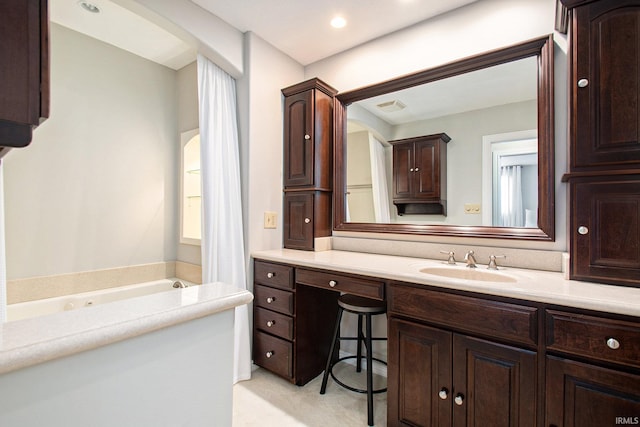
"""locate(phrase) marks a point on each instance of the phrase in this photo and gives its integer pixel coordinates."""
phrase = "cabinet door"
(494, 384)
(298, 220)
(606, 84)
(605, 234)
(419, 375)
(403, 171)
(579, 395)
(298, 139)
(426, 172)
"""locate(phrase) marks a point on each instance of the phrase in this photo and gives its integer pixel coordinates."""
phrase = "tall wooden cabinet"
(420, 174)
(604, 141)
(308, 160)
(24, 70)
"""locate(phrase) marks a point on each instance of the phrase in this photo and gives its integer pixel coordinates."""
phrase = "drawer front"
(274, 323)
(276, 275)
(273, 299)
(273, 354)
(594, 337)
(511, 322)
(341, 283)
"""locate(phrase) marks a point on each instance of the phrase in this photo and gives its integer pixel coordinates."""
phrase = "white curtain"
(511, 207)
(379, 181)
(223, 257)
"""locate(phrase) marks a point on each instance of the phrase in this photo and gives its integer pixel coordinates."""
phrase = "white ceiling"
(300, 28)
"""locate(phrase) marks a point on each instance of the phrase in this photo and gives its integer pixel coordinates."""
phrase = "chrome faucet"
(452, 258)
(492, 261)
(179, 284)
(470, 259)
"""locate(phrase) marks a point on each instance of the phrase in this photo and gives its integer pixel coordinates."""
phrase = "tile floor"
(270, 401)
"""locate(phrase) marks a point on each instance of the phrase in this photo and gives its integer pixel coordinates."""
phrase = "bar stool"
(363, 307)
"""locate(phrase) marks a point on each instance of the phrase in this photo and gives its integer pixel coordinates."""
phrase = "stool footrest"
(348, 387)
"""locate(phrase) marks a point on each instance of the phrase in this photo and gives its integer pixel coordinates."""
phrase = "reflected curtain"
(222, 243)
(379, 181)
(511, 207)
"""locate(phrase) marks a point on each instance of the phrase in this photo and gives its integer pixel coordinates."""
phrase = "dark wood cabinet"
(308, 160)
(604, 141)
(439, 377)
(605, 85)
(24, 70)
(420, 174)
(601, 386)
(606, 229)
(579, 394)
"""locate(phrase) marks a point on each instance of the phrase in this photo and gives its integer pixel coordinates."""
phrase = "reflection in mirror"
(497, 110)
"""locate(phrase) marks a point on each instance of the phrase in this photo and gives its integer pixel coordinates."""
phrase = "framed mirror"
(497, 110)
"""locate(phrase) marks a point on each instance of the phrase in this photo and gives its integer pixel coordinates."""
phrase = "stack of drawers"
(273, 318)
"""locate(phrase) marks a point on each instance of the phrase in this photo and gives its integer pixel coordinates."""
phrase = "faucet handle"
(492, 261)
(451, 254)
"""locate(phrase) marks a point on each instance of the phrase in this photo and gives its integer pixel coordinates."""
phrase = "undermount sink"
(468, 274)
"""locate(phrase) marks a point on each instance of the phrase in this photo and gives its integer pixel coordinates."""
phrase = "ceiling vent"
(391, 106)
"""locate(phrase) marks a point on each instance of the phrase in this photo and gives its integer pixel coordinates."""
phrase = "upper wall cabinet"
(605, 85)
(24, 70)
(308, 134)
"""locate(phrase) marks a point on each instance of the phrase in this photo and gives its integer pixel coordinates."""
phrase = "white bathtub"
(41, 307)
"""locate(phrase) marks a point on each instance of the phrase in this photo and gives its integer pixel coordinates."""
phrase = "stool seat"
(356, 304)
(364, 308)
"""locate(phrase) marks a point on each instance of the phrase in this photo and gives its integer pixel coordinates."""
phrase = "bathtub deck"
(32, 341)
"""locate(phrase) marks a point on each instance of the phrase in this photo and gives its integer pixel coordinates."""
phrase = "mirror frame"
(542, 48)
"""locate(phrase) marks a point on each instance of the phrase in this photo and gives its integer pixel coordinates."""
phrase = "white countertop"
(532, 285)
(28, 342)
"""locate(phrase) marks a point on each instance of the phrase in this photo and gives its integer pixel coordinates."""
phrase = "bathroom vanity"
(522, 347)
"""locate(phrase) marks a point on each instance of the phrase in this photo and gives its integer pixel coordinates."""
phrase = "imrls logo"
(627, 420)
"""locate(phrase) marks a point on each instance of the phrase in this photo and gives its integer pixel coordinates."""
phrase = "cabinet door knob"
(307, 137)
(613, 343)
(583, 83)
(459, 399)
(270, 300)
(583, 230)
(411, 170)
(417, 169)
(269, 354)
(332, 283)
(443, 394)
(307, 220)
(270, 275)
(270, 323)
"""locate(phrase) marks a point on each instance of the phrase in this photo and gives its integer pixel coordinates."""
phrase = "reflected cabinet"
(604, 169)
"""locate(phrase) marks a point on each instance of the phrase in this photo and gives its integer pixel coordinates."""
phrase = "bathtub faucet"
(179, 284)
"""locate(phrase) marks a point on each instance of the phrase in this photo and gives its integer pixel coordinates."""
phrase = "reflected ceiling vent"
(391, 106)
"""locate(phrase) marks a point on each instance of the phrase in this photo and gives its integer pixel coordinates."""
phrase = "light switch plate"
(472, 208)
(270, 219)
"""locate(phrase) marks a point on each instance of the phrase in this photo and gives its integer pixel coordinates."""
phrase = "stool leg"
(336, 337)
(369, 342)
(359, 349)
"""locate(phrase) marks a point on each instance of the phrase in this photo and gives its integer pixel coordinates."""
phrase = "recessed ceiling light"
(89, 7)
(338, 22)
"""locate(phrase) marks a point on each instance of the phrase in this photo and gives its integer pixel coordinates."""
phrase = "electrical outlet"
(472, 208)
(270, 219)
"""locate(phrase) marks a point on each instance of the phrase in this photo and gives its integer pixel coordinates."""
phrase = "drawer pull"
(269, 354)
(271, 275)
(270, 323)
(332, 283)
(270, 300)
(443, 394)
(459, 399)
(613, 343)
(583, 83)
(307, 137)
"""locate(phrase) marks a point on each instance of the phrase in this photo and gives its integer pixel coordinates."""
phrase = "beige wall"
(97, 186)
